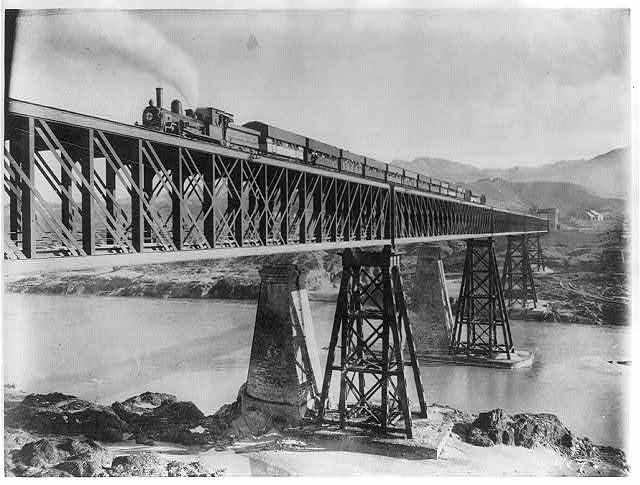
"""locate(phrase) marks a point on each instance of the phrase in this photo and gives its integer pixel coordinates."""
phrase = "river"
(110, 348)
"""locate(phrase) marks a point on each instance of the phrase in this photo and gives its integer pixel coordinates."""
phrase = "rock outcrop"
(531, 430)
(154, 416)
(58, 413)
(69, 457)
(59, 457)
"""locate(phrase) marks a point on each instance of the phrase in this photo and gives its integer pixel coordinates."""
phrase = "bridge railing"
(78, 186)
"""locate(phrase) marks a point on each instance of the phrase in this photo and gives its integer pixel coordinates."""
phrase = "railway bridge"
(83, 191)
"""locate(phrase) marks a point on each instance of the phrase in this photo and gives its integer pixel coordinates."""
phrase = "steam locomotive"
(216, 126)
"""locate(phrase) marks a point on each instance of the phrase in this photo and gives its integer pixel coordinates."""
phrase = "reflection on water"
(109, 348)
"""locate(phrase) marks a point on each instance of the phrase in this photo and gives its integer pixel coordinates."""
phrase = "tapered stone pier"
(284, 365)
(432, 317)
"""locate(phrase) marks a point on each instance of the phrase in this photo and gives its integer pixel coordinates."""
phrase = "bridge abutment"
(430, 306)
(284, 362)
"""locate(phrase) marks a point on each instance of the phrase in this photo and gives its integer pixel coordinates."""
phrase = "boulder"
(527, 430)
(143, 464)
(193, 469)
(531, 430)
(81, 468)
(87, 451)
(477, 437)
(80, 458)
(161, 417)
(38, 454)
(496, 425)
(58, 413)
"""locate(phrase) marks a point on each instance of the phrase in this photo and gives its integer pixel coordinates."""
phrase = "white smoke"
(132, 40)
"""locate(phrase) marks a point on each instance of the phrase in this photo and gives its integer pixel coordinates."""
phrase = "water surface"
(110, 348)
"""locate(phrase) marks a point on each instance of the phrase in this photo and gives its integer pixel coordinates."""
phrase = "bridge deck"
(85, 191)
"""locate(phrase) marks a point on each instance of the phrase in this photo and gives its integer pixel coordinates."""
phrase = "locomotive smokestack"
(159, 98)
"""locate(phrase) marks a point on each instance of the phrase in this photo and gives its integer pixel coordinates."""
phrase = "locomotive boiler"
(206, 123)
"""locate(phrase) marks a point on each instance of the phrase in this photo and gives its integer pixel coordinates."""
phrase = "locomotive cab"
(216, 121)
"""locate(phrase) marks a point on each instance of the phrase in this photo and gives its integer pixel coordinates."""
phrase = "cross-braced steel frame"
(482, 324)
(517, 277)
(79, 186)
(534, 248)
(372, 325)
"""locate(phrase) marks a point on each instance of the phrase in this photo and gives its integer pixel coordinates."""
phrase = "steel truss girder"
(481, 309)
(373, 327)
(124, 191)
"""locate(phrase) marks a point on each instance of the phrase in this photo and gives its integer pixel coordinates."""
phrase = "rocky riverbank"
(577, 288)
(225, 279)
(60, 435)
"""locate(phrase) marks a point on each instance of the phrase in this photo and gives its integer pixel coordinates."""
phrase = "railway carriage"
(243, 136)
(278, 141)
(322, 154)
(215, 125)
(395, 174)
(351, 162)
(424, 183)
(375, 169)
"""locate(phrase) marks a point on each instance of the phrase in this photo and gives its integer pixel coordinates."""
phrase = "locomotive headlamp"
(148, 116)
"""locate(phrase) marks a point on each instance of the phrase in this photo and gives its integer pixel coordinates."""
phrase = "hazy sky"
(494, 88)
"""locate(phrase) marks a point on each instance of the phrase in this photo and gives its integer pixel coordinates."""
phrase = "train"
(217, 126)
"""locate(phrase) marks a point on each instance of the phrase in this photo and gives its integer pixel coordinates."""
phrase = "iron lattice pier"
(517, 277)
(371, 327)
(82, 186)
(534, 248)
(481, 323)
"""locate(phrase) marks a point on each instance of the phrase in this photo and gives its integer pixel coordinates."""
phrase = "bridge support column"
(434, 322)
(284, 361)
(137, 206)
(517, 276)
(372, 324)
(110, 197)
(536, 256)
(177, 201)
(481, 325)
(209, 181)
(14, 208)
(149, 174)
(24, 156)
(88, 204)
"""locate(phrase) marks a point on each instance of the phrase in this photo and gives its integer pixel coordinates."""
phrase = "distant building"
(551, 214)
(593, 215)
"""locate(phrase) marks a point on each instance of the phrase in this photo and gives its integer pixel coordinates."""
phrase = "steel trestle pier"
(481, 323)
(517, 277)
(372, 325)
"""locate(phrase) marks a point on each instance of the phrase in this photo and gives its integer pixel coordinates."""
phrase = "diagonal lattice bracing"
(534, 249)
(77, 185)
(373, 328)
(481, 323)
(517, 277)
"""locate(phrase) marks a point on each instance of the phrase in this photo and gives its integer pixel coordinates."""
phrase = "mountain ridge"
(605, 175)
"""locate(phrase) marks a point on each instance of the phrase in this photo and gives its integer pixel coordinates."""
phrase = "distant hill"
(444, 169)
(571, 199)
(605, 175)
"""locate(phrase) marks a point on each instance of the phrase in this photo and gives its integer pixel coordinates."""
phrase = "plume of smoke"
(131, 40)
